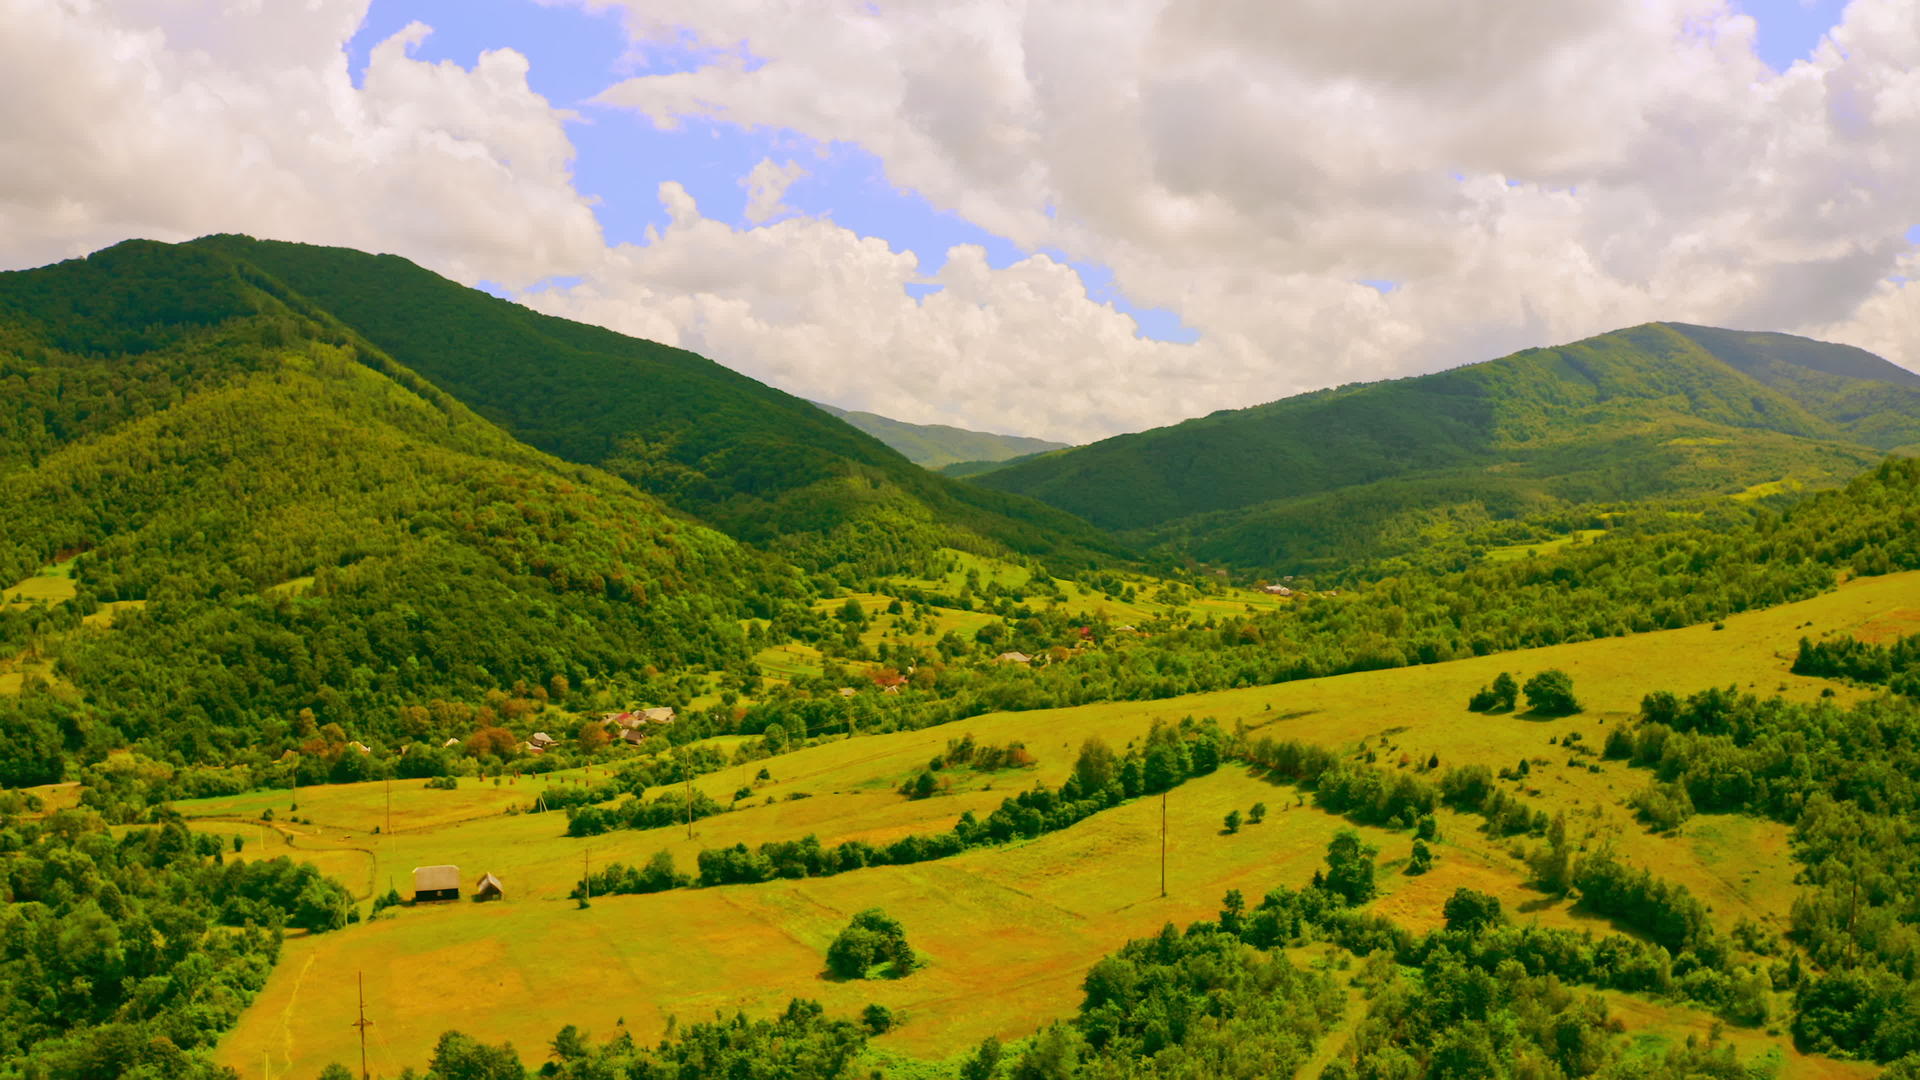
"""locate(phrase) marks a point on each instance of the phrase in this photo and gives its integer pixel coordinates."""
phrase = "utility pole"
(586, 876)
(689, 776)
(1163, 845)
(389, 809)
(363, 1024)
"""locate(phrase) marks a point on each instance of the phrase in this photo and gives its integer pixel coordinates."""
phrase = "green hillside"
(765, 466)
(1654, 411)
(935, 446)
(271, 515)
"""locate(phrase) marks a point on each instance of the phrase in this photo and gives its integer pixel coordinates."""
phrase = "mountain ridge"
(1633, 413)
(936, 446)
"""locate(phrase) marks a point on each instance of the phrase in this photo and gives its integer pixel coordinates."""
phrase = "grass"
(1523, 551)
(52, 585)
(1008, 932)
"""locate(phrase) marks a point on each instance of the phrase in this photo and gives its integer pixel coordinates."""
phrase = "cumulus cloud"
(173, 118)
(1525, 173)
(815, 308)
(766, 186)
(1521, 174)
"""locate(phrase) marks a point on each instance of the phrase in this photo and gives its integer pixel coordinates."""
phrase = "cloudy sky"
(1065, 218)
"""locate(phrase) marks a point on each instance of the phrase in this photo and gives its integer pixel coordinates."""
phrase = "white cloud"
(171, 118)
(766, 186)
(1526, 174)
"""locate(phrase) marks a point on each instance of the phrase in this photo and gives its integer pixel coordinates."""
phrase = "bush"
(873, 938)
(1550, 693)
(444, 783)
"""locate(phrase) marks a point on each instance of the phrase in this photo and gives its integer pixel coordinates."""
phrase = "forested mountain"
(765, 466)
(1652, 411)
(286, 519)
(935, 446)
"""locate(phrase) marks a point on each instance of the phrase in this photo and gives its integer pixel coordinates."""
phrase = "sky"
(1054, 218)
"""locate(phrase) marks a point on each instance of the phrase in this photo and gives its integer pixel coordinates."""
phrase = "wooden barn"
(436, 883)
(488, 888)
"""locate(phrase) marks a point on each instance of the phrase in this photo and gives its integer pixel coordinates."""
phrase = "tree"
(462, 1057)
(569, 1043)
(1505, 692)
(983, 1062)
(873, 938)
(335, 1071)
(1233, 821)
(1422, 859)
(1350, 868)
(592, 734)
(1258, 814)
(1094, 768)
(1550, 693)
(878, 1019)
(1470, 912)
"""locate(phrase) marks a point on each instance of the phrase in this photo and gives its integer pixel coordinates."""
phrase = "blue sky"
(573, 55)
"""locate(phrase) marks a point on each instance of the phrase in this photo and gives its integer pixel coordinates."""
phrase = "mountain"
(764, 466)
(273, 515)
(1660, 410)
(934, 446)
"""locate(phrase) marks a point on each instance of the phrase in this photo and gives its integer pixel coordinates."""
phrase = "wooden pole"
(586, 875)
(1163, 845)
(689, 776)
(363, 1024)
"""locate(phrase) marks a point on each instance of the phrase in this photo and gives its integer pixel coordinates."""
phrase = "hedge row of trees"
(1169, 755)
(1895, 665)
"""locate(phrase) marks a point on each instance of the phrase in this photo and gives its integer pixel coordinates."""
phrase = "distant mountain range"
(935, 446)
(1655, 411)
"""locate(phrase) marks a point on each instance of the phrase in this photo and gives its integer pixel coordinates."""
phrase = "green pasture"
(1008, 932)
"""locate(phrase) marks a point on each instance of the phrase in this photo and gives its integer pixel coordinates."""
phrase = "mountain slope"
(933, 446)
(1649, 411)
(283, 519)
(764, 466)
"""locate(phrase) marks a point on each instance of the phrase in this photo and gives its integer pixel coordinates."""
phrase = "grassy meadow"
(1007, 932)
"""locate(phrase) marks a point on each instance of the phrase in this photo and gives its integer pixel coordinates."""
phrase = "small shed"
(541, 740)
(449, 743)
(1014, 658)
(432, 883)
(488, 888)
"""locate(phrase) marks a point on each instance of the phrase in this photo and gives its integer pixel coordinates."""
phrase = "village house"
(541, 740)
(1277, 590)
(488, 888)
(432, 883)
(1014, 658)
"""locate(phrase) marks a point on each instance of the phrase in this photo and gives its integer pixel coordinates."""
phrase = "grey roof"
(488, 879)
(435, 878)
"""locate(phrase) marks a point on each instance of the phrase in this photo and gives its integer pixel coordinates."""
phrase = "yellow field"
(52, 585)
(1008, 932)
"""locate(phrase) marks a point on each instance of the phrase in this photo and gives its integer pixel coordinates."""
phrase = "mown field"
(1007, 932)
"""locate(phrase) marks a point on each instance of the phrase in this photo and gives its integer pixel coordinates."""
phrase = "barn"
(436, 883)
(488, 888)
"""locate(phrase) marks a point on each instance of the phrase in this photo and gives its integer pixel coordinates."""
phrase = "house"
(449, 743)
(432, 883)
(360, 746)
(662, 715)
(633, 736)
(541, 740)
(1014, 658)
(1276, 590)
(488, 888)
